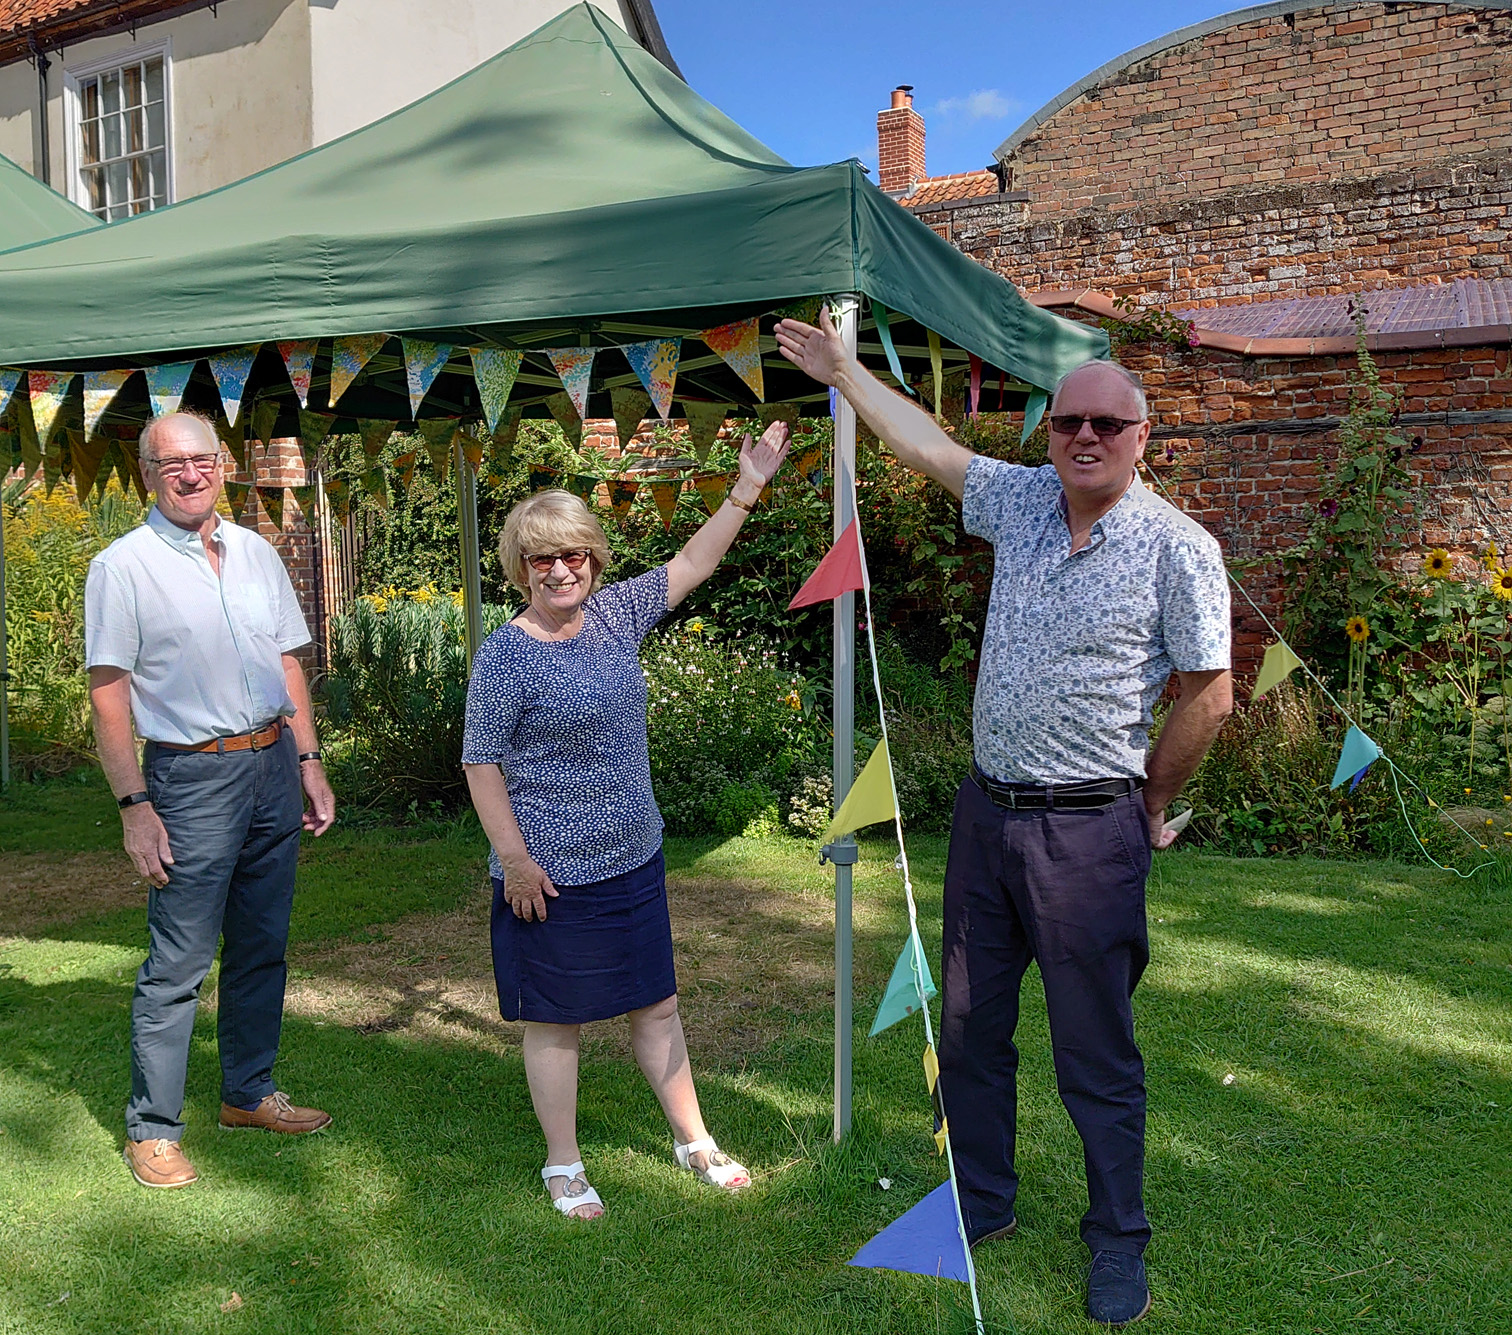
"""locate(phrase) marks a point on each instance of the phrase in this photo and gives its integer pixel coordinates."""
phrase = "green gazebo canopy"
(31, 211)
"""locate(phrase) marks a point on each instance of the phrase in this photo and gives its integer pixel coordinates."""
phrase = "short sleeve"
(989, 498)
(495, 702)
(291, 629)
(630, 607)
(1194, 605)
(112, 635)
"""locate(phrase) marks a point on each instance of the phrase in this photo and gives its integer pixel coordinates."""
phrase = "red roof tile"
(18, 15)
(941, 189)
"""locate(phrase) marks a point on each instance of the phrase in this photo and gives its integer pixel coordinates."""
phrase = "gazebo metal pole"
(843, 851)
(467, 532)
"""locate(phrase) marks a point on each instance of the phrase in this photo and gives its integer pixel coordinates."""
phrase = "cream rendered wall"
(371, 57)
(238, 89)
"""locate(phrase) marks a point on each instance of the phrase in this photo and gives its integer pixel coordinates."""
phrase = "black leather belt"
(1054, 796)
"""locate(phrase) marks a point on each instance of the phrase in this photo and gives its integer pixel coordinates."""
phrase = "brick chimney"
(900, 143)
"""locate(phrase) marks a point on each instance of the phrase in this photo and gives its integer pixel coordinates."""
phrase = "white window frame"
(74, 75)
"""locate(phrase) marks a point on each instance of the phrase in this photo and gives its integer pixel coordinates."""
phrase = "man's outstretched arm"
(907, 430)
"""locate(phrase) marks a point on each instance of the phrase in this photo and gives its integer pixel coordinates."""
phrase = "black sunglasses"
(1104, 428)
(542, 562)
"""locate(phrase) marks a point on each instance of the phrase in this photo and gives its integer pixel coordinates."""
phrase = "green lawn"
(1330, 1145)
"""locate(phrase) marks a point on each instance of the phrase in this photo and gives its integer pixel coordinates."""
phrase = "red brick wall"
(900, 148)
(282, 465)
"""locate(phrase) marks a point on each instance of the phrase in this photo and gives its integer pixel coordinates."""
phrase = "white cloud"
(985, 104)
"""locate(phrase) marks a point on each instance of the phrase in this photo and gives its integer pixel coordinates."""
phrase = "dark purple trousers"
(1067, 889)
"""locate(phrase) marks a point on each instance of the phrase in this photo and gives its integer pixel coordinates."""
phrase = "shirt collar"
(181, 539)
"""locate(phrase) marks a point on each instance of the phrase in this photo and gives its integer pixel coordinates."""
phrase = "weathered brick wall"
(282, 465)
(1324, 93)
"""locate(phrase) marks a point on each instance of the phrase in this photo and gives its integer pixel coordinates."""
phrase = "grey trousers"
(233, 825)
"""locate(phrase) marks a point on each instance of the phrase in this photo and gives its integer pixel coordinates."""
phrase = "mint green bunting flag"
(1357, 755)
(1034, 409)
(884, 332)
(902, 997)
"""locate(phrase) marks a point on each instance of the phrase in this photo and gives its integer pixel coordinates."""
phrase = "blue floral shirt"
(566, 721)
(1078, 648)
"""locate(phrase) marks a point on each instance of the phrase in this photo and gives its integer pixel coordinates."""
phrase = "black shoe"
(987, 1235)
(1117, 1294)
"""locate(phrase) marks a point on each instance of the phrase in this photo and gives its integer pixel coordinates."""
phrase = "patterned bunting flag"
(230, 370)
(872, 798)
(348, 356)
(575, 367)
(165, 386)
(561, 407)
(304, 498)
(1278, 665)
(31, 447)
(925, 1241)
(338, 496)
(47, 389)
(622, 492)
(543, 478)
(100, 389)
(902, 996)
(272, 499)
(778, 412)
(10, 448)
(299, 361)
(936, 364)
(494, 372)
(423, 362)
(265, 420)
(472, 450)
(236, 495)
(107, 466)
(711, 487)
(234, 438)
(839, 572)
(664, 493)
(8, 381)
(629, 408)
(52, 462)
(805, 311)
(810, 466)
(655, 362)
(974, 400)
(313, 429)
(375, 435)
(704, 423)
(582, 485)
(505, 435)
(376, 485)
(438, 433)
(740, 346)
(405, 463)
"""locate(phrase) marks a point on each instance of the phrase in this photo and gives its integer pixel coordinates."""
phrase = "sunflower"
(1357, 628)
(1437, 563)
(1501, 583)
(1490, 558)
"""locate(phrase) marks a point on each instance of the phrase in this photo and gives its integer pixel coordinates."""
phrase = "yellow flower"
(1489, 821)
(1357, 628)
(457, 597)
(794, 700)
(1437, 564)
(1467, 790)
(696, 626)
(1490, 557)
(425, 595)
(1501, 583)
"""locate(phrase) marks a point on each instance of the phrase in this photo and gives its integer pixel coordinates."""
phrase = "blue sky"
(809, 76)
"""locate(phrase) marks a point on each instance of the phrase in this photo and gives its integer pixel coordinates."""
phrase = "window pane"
(136, 129)
(94, 185)
(155, 135)
(159, 163)
(89, 148)
(112, 134)
(110, 90)
(132, 79)
(90, 93)
(116, 184)
(141, 185)
(155, 80)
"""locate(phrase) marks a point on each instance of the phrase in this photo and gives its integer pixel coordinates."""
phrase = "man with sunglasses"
(190, 630)
(1101, 591)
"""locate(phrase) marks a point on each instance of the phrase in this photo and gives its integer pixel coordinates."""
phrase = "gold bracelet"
(740, 504)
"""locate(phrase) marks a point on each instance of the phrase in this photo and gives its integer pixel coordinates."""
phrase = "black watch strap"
(131, 800)
(309, 755)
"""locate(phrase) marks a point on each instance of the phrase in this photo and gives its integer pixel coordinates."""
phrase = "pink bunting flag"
(575, 367)
(348, 357)
(975, 405)
(740, 346)
(299, 361)
(655, 363)
(423, 362)
(47, 390)
(166, 384)
(231, 370)
(100, 389)
(839, 572)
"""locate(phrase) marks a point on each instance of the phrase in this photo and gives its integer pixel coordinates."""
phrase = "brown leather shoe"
(158, 1163)
(275, 1113)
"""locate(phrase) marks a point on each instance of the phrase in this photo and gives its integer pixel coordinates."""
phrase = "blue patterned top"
(1078, 648)
(566, 721)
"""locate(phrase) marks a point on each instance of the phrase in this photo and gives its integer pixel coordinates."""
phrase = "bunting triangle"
(575, 368)
(230, 370)
(494, 372)
(1358, 754)
(839, 572)
(272, 499)
(1034, 410)
(622, 492)
(936, 369)
(472, 450)
(107, 467)
(100, 390)
(304, 498)
(405, 463)
(582, 485)
(348, 356)
(236, 497)
(664, 493)
(52, 462)
(1277, 666)
(655, 363)
(339, 497)
(561, 407)
(810, 466)
(234, 438)
(740, 346)
(166, 384)
(438, 433)
(629, 408)
(931, 1068)
(376, 485)
(299, 361)
(423, 362)
(974, 400)
(705, 420)
(805, 311)
(313, 429)
(505, 435)
(31, 447)
(872, 797)
(8, 381)
(542, 479)
(265, 420)
(712, 488)
(47, 390)
(925, 1241)
(375, 435)
(884, 332)
(902, 996)
(129, 471)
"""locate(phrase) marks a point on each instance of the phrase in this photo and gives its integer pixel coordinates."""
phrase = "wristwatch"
(131, 800)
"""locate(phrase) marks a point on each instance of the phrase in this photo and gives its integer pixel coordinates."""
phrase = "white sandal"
(722, 1171)
(577, 1192)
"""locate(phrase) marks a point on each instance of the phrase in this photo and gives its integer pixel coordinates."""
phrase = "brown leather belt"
(247, 741)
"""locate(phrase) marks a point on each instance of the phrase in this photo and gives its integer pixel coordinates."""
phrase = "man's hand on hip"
(146, 842)
(1160, 836)
(320, 809)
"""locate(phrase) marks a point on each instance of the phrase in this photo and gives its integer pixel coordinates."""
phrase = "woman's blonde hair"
(551, 521)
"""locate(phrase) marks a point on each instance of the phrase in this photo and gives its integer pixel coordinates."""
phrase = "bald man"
(190, 630)
(1101, 591)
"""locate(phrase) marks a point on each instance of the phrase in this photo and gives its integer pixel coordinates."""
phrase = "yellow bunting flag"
(941, 1136)
(872, 798)
(560, 406)
(438, 433)
(936, 368)
(375, 435)
(1279, 664)
(622, 492)
(712, 488)
(664, 493)
(272, 499)
(705, 421)
(339, 497)
(778, 412)
(931, 1067)
(376, 486)
(472, 450)
(505, 435)
(629, 407)
(405, 463)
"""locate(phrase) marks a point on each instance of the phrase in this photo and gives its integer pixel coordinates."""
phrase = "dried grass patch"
(39, 890)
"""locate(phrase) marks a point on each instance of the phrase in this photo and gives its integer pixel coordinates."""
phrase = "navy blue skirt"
(604, 949)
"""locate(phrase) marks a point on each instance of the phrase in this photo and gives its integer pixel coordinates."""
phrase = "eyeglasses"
(543, 562)
(172, 468)
(1104, 428)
